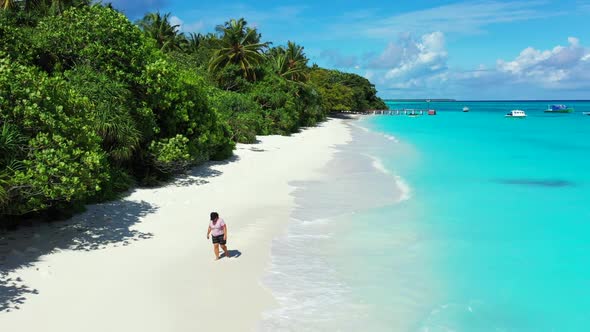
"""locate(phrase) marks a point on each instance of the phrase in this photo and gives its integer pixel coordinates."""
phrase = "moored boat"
(559, 109)
(586, 113)
(516, 114)
(431, 112)
(465, 109)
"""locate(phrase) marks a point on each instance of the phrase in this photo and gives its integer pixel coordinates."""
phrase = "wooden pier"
(410, 112)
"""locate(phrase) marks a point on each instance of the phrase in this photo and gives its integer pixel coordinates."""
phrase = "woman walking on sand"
(218, 230)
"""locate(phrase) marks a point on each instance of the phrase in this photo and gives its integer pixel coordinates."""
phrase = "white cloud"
(187, 27)
(412, 65)
(175, 20)
(411, 59)
(396, 52)
(418, 68)
(560, 67)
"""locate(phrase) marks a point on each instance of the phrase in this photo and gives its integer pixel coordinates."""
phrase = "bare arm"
(225, 232)
(208, 231)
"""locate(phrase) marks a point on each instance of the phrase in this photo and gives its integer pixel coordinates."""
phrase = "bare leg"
(225, 250)
(216, 250)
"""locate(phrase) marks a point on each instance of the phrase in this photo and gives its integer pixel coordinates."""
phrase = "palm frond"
(159, 27)
(239, 45)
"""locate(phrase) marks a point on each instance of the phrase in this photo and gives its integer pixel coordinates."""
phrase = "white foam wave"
(309, 236)
(318, 222)
(378, 165)
(310, 293)
(387, 136)
(391, 138)
(399, 181)
(365, 129)
(404, 188)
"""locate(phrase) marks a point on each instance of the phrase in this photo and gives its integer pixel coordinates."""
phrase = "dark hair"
(214, 215)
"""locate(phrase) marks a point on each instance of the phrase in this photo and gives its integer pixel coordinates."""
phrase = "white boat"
(465, 109)
(516, 114)
(586, 113)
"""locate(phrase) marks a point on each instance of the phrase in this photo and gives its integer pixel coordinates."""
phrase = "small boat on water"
(465, 109)
(559, 109)
(516, 114)
(431, 112)
(586, 113)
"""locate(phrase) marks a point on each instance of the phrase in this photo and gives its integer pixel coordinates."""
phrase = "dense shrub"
(15, 41)
(345, 92)
(242, 114)
(177, 99)
(310, 106)
(109, 112)
(57, 170)
(172, 155)
(96, 36)
(231, 78)
(62, 159)
(277, 98)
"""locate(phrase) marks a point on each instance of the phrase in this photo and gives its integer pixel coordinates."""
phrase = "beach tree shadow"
(101, 226)
(201, 174)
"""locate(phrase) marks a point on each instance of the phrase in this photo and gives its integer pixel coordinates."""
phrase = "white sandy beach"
(157, 272)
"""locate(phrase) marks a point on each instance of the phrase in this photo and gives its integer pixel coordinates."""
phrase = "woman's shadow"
(232, 254)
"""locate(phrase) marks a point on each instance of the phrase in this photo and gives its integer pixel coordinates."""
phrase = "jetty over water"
(404, 111)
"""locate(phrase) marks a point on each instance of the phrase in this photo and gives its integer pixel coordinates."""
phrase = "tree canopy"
(239, 45)
(92, 104)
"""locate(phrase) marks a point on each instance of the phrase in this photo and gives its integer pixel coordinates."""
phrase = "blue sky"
(421, 48)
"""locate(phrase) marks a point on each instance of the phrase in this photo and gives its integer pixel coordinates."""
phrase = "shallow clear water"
(493, 233)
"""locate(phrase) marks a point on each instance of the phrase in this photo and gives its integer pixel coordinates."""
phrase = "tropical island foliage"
(92, 104)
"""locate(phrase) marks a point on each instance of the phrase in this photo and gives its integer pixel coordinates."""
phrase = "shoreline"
(310, 262)
(154, 270)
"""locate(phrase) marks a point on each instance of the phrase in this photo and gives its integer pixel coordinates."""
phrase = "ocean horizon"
(454, 222)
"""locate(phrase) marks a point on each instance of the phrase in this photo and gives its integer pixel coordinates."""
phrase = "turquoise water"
(492, 231)
(505, 204)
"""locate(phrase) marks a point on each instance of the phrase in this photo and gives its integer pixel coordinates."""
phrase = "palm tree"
(290, 62)
(157, 26)
(238, 45)
(193, 42)
(295, 54)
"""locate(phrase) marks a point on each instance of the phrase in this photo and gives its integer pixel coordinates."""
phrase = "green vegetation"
(92, 104)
